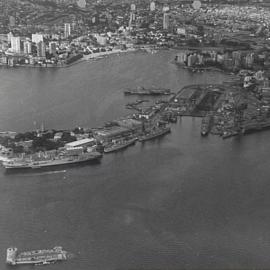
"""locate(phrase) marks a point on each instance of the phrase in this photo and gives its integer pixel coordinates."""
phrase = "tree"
(200, 30)
(66, 137)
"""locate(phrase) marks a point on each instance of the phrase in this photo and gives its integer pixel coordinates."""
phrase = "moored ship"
(36, 257)
(64, 158)
(228, 134)
(155, 134)
(206, 124)
(118, 145)
(148, 91)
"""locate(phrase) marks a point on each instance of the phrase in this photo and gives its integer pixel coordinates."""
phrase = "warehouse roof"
(80, 142)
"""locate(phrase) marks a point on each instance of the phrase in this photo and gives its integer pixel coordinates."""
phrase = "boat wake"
(37, 174)
(50, 172)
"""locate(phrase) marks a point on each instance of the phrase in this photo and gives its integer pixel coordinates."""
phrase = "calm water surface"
(181, 201)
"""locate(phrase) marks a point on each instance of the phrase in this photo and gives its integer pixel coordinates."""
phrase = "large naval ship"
(155, 134)
(118, 145)
(36, 257)
(69, 156)
(152, 91)
(206, 124)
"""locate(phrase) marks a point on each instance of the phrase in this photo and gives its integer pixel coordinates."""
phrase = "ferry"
(118, 145)
(36, 257)
(155, 134)
(61, 159)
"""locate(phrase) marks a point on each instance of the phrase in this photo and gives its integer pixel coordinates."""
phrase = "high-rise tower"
(166, 21)
(67, 30)
(152, 6)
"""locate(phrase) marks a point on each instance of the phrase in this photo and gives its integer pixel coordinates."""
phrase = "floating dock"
(35, 257)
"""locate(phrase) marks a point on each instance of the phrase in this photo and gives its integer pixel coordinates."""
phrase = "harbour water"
(181, 201)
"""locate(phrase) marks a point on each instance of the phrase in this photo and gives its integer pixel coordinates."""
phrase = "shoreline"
(226, 133)
(85, 58)
(203, 69)
(102, 54)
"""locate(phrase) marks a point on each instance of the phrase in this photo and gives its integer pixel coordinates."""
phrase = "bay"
(181, 201)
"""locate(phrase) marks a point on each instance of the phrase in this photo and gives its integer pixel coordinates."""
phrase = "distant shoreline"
(85, 58)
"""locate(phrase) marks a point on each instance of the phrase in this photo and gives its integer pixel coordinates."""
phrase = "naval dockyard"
(233, 108)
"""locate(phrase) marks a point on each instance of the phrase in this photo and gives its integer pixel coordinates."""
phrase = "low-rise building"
(81, 143)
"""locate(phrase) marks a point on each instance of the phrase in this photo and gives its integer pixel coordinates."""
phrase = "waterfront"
(86, 94)
(179, 201)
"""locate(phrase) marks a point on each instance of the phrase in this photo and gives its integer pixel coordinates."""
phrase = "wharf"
(232, 108)
(197, 100)
(256, 126)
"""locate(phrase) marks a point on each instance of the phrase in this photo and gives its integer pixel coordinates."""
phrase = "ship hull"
(120, 147)
(37, 262)
(148, 93)
(53, 164)
(206, 125)
(154, 136)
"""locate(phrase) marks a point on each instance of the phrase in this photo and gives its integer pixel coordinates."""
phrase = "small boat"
(228, 134)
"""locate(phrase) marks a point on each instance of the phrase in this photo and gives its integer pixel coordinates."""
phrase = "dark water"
(178, 202)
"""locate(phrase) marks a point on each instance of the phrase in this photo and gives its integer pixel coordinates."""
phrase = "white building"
(81, 3)
(67, 30)
(165, 8)
(181, 31)
(181, 57)
(133, 7)
(9, 36)
(132, 19)
(102, 40)
(41, 49)
(166, 21)
(12, 21)
(16, 44)
(81, 143)
(36, 38)
(152, 6)
(52, 48)
(27, 47)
